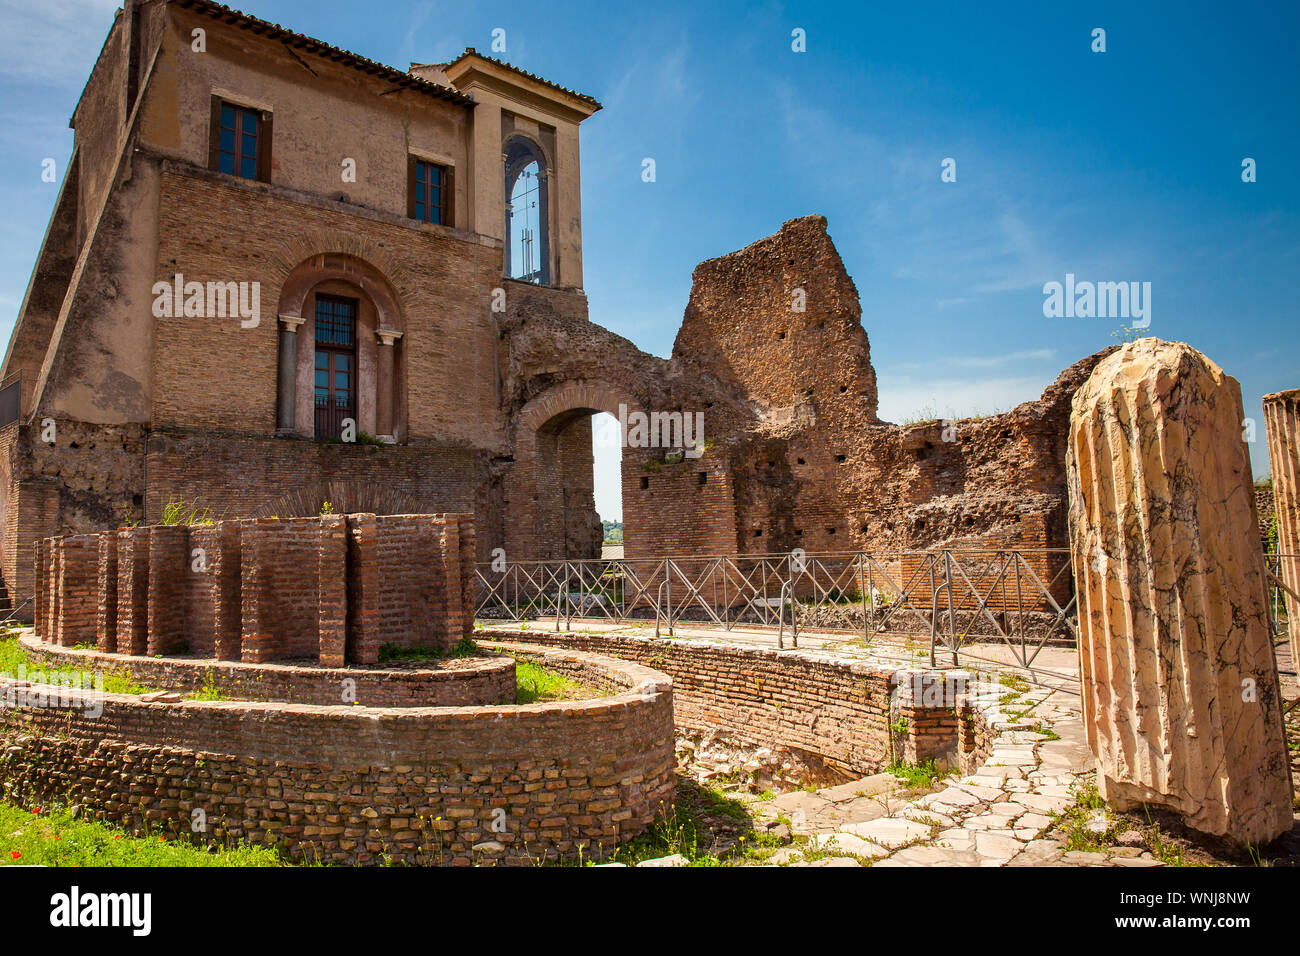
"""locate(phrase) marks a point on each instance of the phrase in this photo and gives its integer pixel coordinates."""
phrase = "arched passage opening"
(568, 525)
(567, 449)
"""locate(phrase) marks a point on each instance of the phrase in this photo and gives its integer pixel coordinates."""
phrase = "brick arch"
(571, 397)
(292, 251)
(527, 507)
(327, 266)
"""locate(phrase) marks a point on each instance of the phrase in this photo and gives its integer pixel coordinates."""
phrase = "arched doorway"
(340, 351)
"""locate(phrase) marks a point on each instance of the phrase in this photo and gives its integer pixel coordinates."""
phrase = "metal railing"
(1277, 596)
(1024, 598)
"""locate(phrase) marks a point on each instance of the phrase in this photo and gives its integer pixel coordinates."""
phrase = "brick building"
(334, 232)
(265, 246)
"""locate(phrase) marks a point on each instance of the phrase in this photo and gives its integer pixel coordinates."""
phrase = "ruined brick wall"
(683, 508)
(780, 321)
(89, 478)
(836, 714)
(419, 785)
(331, 588)
(814, 468)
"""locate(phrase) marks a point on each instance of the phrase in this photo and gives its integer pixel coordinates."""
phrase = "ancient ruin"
(1180, 687)
(299, 534)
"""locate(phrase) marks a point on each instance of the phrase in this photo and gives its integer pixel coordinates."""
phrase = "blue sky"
(1123, 165)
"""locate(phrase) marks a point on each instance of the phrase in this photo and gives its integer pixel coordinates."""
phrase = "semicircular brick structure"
(1178, 677)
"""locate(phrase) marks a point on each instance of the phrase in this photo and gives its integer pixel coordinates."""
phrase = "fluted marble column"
(1178, 679)
(1282, 421)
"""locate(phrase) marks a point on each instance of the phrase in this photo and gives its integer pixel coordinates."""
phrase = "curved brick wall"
(837, 712)
(358, 784)
(328, 589)
(445, 683)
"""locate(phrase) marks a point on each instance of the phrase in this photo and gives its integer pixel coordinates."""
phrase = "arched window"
(528, 254)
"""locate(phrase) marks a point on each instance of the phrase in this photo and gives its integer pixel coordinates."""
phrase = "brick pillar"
(106, 620)
(363, 589)
(468, 581)
(169, 566)
(332, 590)
(1281, 414)
(449, 609)
(53, 610)
(1178, 681)
(258, 640)
(41, 592)
(133, 591)
(225, 567)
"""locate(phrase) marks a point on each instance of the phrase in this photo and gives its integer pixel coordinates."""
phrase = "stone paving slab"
(889, 831)
(848, 843)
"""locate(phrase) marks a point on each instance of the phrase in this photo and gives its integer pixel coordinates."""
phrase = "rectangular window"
(431, 192)
(241, 141)
(335, 385)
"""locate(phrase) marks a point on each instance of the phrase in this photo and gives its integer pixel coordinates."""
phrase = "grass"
(389, 653)
(180, 512)
(53, 836)
(535, 683)
(12, 657)
(701, 815)
(1088, 805)
(917, 776)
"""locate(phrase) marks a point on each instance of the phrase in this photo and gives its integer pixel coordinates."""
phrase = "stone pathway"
(997, 816)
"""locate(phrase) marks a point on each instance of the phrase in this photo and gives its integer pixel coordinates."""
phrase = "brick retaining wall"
(489, 679)
(836, 711)
(363, 784)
